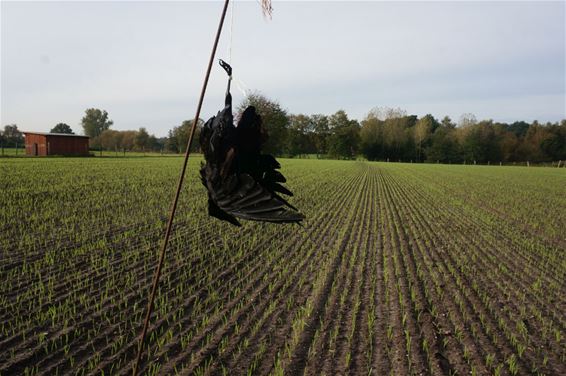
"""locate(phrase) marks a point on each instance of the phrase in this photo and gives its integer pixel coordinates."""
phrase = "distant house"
(41, 144)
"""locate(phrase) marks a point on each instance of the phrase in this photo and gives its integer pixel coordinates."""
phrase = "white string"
(241, 86)
(239, 83)
(267, 9)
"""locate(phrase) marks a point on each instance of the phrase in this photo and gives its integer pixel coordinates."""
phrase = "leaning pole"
(157, 274)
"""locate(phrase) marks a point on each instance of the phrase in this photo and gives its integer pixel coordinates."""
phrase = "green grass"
(391, 257)
(12, 152)
(119, 154)
(21, 152)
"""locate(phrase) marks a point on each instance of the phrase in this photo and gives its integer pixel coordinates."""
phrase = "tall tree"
(532, 146)
(554, 146)
(321, 132)
(371, 137)
(385, 113)
(95, 122)
(519, 128)
(444, 146)
(508, 145)
(467, 120)
(447, 122)
(62, 128)
(12, 136)
(141, 140)
(171, 142)
(423, 130)
(180, 136)
(481, 143)
(299, 135)
(111, 139)
(398, 136)
(345, 133)
(128, 139)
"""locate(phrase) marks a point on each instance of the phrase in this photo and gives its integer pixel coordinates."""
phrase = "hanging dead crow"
(241, 181)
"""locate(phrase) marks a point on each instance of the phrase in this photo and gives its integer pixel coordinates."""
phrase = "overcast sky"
(144, 62)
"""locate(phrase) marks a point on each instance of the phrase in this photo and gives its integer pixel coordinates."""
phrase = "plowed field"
(399, 269)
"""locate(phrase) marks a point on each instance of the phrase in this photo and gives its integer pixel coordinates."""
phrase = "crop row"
(398, 269)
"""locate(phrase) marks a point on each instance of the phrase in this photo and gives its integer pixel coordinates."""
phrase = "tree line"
(387, 134)
(409, 138)
(391, 134)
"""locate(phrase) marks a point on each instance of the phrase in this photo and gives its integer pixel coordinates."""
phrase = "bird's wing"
(250, 135)
(242, 182)
(243, 197)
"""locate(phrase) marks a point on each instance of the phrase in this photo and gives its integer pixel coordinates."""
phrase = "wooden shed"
(41, 144)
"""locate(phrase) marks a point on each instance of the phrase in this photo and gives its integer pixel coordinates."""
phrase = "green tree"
(321, 132)
(554, 146)
(447, 122)
(344, 139)
(531, 148)
(398, 136)
(388, 134)
(481, 143)
(180, 136)
(385, 113)
(95, 122)
(110, 139)
(508, 145)
(423, 130)
(467, 120)
(171, 142)
(141, 141)
(300, 135)
(519, 128)
(371, 137)
(275, 120)
(12, 137)
(62, 128)
(444, 146)
(128, 140)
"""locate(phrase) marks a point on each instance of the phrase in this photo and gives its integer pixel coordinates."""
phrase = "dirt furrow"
(219, 327)
(351, 274)
(408, 292)
(299, 356)
(442, 259)
(508, 299)
(363, 341)
(110, 306)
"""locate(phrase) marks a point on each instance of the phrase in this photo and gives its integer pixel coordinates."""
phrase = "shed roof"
(56, 134)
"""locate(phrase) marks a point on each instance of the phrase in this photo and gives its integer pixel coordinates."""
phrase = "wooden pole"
(176, 197)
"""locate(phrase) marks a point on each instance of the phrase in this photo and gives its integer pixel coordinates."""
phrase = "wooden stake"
(176, 198)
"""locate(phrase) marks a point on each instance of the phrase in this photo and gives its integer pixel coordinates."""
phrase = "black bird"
(242, 182)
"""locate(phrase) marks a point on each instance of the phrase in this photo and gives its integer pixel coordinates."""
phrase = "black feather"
(242, 182)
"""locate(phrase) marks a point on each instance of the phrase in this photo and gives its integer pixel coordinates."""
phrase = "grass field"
(400, 269)
(21, 152)
(12, 152)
